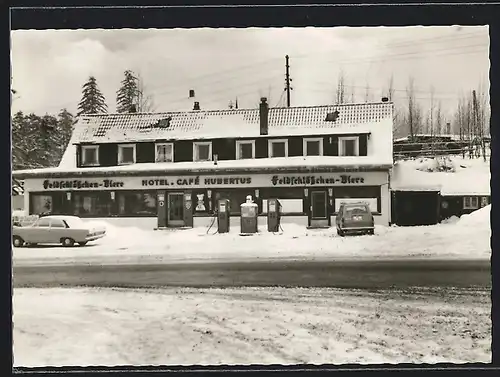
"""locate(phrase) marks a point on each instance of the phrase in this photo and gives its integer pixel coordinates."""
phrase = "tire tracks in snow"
(230, 332)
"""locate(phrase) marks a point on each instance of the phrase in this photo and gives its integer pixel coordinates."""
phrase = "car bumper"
(358, 229)
(93, 238)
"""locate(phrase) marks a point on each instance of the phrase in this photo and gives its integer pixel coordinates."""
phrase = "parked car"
(66, 230)
(355, 218)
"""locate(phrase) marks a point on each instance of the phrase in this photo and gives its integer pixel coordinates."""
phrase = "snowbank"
(295, 242)
(479, 218)
(119, 235)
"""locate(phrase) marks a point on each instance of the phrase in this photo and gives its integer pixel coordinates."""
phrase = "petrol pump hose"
(212, 224)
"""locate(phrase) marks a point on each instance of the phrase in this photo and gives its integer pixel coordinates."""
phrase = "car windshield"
(73, 222)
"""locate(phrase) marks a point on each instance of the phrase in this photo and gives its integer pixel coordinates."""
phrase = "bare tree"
(340, 94)
(439, 119)
(391, 91)
(367, 93)
(145, 102)
(430, 130)
(410, 91)
(353, 92)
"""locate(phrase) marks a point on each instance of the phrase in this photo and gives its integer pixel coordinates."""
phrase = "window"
(164, 152)
(56, 223)
(126, 154)
(349, 146)
(54, 203)
(236, 198)
(201, 202)
(245, 149)
(90, 155)
(43, 223)
(41, 204)
(202, 151)
(288, 206)
(484, 201)
(137, 203)
(368, 194)
(92, 204)
(471, 202)
(278, 148)
(313, 147)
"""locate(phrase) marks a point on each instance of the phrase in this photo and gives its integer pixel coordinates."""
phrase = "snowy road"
(109, 327)
(342, 273)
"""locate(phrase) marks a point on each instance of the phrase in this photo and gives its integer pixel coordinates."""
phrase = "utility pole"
(287, 81)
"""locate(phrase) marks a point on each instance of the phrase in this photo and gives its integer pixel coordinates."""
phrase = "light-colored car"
(65, 230)
(355, 218)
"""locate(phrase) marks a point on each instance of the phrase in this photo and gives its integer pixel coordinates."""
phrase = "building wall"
(68, 196)
(18, 202)
(226, 148)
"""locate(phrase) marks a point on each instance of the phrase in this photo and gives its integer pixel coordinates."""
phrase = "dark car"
(355, 218)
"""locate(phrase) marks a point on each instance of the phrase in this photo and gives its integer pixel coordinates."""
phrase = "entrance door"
(175, 216)
(319, 213)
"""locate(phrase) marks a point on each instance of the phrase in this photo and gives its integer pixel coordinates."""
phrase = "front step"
(173, 228)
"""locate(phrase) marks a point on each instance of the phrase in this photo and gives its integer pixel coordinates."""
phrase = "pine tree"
(65, 122)
(39, 142)
(93, 101)
(128, 95)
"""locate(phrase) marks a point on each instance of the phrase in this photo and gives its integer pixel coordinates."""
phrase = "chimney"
(196, 106)
(263, 115)
(133, 109)
(191, 93)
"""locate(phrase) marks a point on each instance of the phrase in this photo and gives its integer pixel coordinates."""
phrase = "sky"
(49, 67)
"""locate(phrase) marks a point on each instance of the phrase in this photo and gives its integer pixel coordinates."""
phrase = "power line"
(410, 42)
(235, 89)
(412, 55)
(281, 99)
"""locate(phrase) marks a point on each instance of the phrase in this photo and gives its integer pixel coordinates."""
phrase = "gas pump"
(273, 215)
(249, 219)
(223, 217)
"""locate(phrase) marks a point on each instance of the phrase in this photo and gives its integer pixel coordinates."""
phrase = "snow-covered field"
(58, 326)
(468, 237)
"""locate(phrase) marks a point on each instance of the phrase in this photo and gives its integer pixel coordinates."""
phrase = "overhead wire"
(223, 75)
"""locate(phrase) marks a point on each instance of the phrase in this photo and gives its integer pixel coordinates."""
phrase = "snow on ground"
(467, 238)
(479, 217)
(468, 176)
(61, 327)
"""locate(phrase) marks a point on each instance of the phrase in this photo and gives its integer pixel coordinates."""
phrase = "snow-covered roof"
(102, 128)
(471, 177)
(319, 163)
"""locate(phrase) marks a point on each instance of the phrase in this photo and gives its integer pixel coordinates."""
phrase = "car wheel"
(340, 233)
(68, 242)
(371, 232)
(82, 243)
(17, 241)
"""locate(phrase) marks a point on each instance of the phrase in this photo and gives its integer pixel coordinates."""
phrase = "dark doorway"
(318, 204)
(175, 209)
